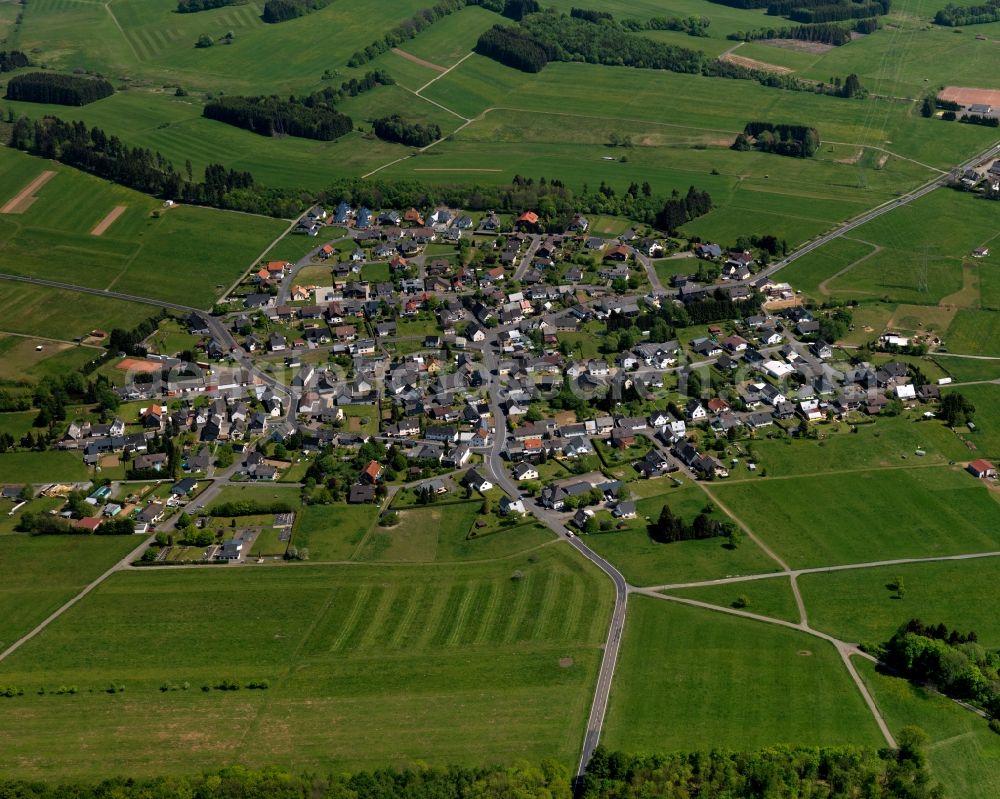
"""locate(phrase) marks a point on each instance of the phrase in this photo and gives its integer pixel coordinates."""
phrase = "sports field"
(183, 254)
(367, 667)
(693, 679)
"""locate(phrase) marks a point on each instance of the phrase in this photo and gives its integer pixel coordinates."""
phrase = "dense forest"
(954, 16)
(797, 141)
(678, 210)
(282, 10)
(693, 26)
(953, 662)
(274, 116)
(550, 36)
(12, 59)
(513, 47)
(192, 6)
(780, 771)
(58, 89)
(824, 33)
(94, 151)
(396, 129)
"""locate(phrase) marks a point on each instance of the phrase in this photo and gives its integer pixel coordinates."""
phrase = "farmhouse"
(982, 469)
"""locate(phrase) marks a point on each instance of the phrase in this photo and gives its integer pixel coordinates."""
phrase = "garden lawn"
(42, 467)
(368, 667)
(332, 532)
(866, 516)
(692, 679)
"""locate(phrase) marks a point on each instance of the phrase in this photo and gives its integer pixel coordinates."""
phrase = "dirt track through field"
(23, 200)
(753, 63)
(109, 220)
(416, 60)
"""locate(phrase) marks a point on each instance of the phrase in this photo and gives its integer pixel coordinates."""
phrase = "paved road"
(556, 523)
(874, 213)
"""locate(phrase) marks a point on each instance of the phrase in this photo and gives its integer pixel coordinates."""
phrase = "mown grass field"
(963, 753)
(858, 605)
(974, 333)
(368, 666)
(64, 314)
(188, 255)
(645, 562)
(889, 442)
(865, 516)
(41, 467)
(689, 679)
(40, 573)
(772, 597)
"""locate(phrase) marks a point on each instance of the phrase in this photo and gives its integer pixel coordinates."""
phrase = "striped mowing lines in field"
(150, 42)
(540, 606)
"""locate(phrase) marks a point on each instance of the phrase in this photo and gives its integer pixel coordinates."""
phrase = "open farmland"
(765, 597)
(181, 254)
(868, 515)
(63, 314)
(38, 574)
(690, 678)
(964, 754)
(435, 640)
(858, 605)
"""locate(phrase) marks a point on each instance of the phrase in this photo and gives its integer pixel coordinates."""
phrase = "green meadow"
(368, 666)
(39, 573)
(868, 515)
(858, 604)
(182, 254)
(771, 597)
(689, 678)
(963, 753)
(645, 562)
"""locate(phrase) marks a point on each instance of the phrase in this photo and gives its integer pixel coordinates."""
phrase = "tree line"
(12, 59)
(553, 200)
(57, 89)
(550, 36)
(980, 119)
(192, 6)
(953, 15)
(798, 141)
(273, 116)
(283, 10)
(956, 664)
(93, 151)
(824, 33)
(312, 116)
(814, 10)
(409, 28)
(791, 772)
(413, 134)
(786, 771)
